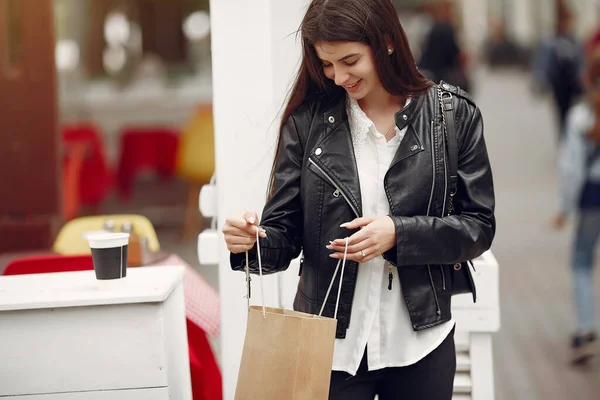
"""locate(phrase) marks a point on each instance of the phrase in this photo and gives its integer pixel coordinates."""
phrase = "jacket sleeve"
(467, 234)
(282, 216)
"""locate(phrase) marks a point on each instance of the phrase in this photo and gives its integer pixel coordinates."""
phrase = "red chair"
(143, 149)
(95, 179)
(49, 263)
(204, 371)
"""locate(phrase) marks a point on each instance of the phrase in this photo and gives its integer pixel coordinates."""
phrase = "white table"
(66, 336)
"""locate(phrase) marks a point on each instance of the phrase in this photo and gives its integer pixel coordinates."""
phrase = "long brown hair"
(372, 22)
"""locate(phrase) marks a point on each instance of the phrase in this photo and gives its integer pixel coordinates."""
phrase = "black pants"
(432, 378)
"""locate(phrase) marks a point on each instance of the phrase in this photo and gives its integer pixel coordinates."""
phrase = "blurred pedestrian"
(441, 55)
(579, 172)
(558, 65)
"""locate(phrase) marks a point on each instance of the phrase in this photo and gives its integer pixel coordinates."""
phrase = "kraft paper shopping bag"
(287, 354)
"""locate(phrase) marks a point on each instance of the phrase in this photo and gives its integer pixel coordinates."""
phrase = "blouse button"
(318, 151)
(331, 120)
(404, 117)
(414, 147)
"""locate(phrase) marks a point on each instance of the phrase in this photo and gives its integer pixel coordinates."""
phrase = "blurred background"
(106, 109)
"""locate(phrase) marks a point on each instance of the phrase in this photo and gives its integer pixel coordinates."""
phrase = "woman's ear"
(388, 44)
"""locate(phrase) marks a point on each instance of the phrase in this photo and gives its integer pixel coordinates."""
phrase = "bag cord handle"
(262, 294)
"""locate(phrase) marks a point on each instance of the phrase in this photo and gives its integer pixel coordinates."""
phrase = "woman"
(579, 171)
(442, 57)
(361, 154)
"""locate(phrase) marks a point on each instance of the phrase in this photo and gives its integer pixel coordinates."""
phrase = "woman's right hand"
(240, 232)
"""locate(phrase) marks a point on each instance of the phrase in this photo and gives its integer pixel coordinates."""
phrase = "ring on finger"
(362, 253)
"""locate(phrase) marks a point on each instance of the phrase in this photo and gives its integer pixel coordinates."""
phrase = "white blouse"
(379, 316)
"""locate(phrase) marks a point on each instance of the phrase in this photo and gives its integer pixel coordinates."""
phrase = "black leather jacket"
(317, 164)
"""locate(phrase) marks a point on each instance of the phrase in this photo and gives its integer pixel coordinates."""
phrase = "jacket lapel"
(409, 146)
(334, 154)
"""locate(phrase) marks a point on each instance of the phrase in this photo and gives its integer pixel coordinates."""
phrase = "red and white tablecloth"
(202, 303)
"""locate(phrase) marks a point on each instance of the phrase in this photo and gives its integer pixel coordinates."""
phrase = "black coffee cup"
(109, 254)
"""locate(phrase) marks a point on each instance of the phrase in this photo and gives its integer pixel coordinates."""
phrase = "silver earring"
(390, 51)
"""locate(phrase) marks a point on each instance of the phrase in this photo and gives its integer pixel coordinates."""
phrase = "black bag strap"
(451, 139)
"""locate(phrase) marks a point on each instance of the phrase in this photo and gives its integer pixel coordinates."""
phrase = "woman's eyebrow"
(348, 56)
(343, 58)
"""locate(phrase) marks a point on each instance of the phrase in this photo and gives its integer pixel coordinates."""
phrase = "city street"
(532, 348)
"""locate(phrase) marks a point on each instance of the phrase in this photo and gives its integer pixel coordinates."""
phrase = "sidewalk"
(531, 350)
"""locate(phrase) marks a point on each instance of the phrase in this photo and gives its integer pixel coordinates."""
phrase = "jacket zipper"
(437, 302)
(337, 189)
(443, 277)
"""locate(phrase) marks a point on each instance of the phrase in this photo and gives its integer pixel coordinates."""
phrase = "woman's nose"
(341, 77)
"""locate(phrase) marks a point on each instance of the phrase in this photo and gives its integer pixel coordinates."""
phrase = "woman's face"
(350, 65)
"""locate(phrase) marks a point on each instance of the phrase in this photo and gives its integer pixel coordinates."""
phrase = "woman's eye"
(351, 63)
(326, 65)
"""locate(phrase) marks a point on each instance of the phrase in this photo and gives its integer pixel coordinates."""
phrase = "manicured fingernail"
(332, 256)
(329, 247)
(344, 224)
(251, 219)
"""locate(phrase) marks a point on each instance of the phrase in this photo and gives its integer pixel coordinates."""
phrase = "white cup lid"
(86, 234)
(108, 240)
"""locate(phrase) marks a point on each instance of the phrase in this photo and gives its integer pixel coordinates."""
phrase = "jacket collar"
(334, 152)
(335, 111)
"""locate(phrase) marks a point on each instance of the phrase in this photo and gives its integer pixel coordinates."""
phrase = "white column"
(520, 21)
(475, 24)
(586, 17)
(545, 18)
(254, 59)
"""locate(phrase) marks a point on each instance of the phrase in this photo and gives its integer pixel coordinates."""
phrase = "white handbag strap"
(262, 294)
(262, 291)
(337, 302)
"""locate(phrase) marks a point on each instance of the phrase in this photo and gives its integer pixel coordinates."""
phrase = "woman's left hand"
(378, 235)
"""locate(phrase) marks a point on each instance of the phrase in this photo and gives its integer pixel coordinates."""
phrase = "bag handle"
(337, 302)
(448, 122)
(262, 294)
